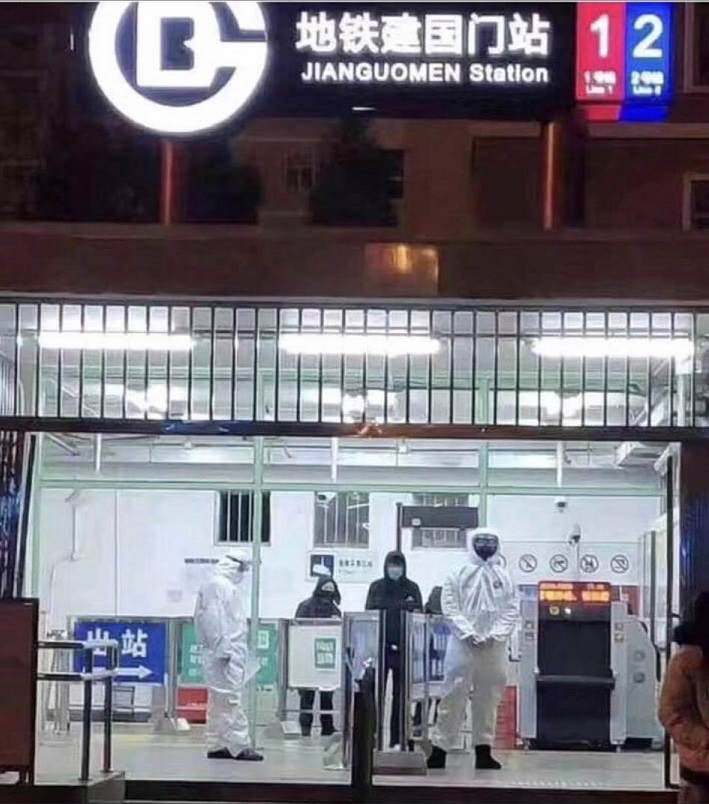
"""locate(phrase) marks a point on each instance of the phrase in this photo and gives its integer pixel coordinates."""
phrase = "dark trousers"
(307, 702)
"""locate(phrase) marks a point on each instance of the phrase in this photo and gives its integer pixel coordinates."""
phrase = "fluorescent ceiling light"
(357, 404)
(619, 347)
(570, 406)
(318, 343)
(116, 341)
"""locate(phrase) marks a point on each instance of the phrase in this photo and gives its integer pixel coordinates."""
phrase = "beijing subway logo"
(178, 67)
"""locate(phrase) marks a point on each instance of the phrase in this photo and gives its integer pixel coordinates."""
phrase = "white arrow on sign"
(135, 672)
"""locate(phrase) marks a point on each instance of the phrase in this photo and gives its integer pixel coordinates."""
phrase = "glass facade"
(125, 528)
(339, 365)
(132, 502)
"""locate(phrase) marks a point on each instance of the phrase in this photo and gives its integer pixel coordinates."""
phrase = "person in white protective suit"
(222, 631)
(480, 602)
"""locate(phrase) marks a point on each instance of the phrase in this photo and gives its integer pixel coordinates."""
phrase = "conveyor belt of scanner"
(605, 682)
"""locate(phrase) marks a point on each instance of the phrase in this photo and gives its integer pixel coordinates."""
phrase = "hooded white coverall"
(222, 630)
(480, 602)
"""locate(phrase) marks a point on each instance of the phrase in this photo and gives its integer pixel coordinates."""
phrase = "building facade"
(537, 280)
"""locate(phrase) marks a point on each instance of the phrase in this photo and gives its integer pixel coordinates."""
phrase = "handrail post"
(108, 713)
(381, 679)
(87, 714)
(364, 728)
(282, 673)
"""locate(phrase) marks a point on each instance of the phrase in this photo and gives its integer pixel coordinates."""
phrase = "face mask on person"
(395, 572)
(486, 545)
(328, 591)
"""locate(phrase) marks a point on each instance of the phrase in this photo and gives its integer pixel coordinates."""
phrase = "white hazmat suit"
(222, 631)
(480, 602)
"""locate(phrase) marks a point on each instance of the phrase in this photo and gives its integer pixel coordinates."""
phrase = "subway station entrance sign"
(425, 47)
(183, 67)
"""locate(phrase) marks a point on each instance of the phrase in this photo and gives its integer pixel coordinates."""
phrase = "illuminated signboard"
(413, 47)
(423, 59)
(624, 59)
(586, 594)
(184, 67)
(178, 90)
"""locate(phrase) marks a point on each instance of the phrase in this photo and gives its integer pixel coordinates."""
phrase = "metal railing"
(88, 678)
(502, 366)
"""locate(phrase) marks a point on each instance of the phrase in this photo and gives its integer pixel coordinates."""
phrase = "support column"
(553, 158)
(563, 172)
(172, 181)
(693, 522)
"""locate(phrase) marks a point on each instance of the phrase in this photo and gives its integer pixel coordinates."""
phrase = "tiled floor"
(143, 755)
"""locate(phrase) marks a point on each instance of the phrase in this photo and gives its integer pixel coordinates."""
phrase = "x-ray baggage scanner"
(573, 667)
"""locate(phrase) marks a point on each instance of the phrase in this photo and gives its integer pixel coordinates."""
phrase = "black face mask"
(486, 546)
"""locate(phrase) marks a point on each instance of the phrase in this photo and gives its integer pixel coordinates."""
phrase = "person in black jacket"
(322, 605)
(394, 594)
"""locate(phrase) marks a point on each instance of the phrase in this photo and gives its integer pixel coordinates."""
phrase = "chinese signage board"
(142, 648)
(346, 566)
(424, 47)
(188, 67)
(423, 59)
(325, 653)
(266, 655)
(624, 58)
(314, 655)
(586, 594)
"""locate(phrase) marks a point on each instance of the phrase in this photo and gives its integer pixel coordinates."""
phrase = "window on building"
(696, 202)
(341, 519)
(300, 172)
(395, 165)
(697, 46)
(439, 538)
(236, 516)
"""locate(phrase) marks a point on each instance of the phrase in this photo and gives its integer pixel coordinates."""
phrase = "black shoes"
(247, 755)
(484, 759)
(437, 760)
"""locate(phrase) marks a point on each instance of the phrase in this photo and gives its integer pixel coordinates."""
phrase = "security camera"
(560, 503)
(575, 536)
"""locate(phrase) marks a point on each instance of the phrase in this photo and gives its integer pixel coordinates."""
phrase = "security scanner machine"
(587, 671)
(573, 667)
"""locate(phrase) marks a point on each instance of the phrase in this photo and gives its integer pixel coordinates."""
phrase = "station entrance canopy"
(352, 369)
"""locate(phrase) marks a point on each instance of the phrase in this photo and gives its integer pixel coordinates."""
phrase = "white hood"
(479, 599)
(234, 566)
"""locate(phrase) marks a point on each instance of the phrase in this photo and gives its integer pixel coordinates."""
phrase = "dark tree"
(354, 185)
(220, 189)
(99, 173)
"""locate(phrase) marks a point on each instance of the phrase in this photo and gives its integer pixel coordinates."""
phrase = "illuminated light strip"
(116, 341)
(338, 344)
(661, 348)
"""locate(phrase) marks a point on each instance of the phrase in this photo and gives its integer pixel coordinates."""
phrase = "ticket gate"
(573, 668)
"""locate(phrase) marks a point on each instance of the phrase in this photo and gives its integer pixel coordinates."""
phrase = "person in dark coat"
(433, 604)
(394, 594)
(684, 704)
(323, 604)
